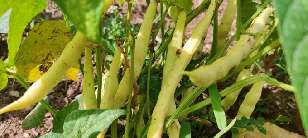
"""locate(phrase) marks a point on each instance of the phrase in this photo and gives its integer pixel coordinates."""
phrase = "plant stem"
(148, 102)
(238, 20)
(48, 107)
(99, 65)
(223, 30)
(114, 129)
(194, 13)
(132, 75)
(233, 88)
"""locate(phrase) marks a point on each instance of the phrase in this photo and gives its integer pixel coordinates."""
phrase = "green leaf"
(185, 5)
(60, 116)
(249, 124)
(219, 113)
(155, 80)
(294, 37)
(185, 130)
(86, 123)
(22, 13)
(5, 5)
(3, 76)
(248, 8)
(48, 40)
(85, 15)
(35, 117)
(3, 80)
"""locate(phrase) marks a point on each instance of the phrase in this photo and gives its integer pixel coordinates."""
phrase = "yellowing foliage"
(41, 48)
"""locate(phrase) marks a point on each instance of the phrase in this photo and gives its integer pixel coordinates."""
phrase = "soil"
(274, 102)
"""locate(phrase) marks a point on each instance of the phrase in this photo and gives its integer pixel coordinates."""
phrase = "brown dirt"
(10, 123)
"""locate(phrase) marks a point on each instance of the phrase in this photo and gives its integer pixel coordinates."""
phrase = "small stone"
(14, 93)
(26, 135)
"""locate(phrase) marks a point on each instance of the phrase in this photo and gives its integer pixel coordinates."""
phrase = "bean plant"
(151, 75)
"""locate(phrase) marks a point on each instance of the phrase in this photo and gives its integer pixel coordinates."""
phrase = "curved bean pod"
(111, 83)
(250, 101)
(175, 74)
(141, 48)
(208, 74)
(39, 89)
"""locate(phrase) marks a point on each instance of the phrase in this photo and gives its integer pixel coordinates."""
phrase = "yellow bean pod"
(175, 74)
(208, 74)
(230, 99)
(111, 83)
(226, 23)
(250, 101)
(39, 89)
(141, 48)
(88, 90)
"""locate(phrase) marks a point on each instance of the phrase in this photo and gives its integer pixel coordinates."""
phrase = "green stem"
(223, 29)
(194, 13)
(48, 107)
(214, 48)
(148, 102)
(233, 88)
(21, 81)
(162, 18)
(238, 20)
(99, 65)
(132, 76)
(114, 129)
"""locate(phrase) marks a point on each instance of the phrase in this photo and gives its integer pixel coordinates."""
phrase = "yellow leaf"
(35, 74)
(72, 74)
(41, 48)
